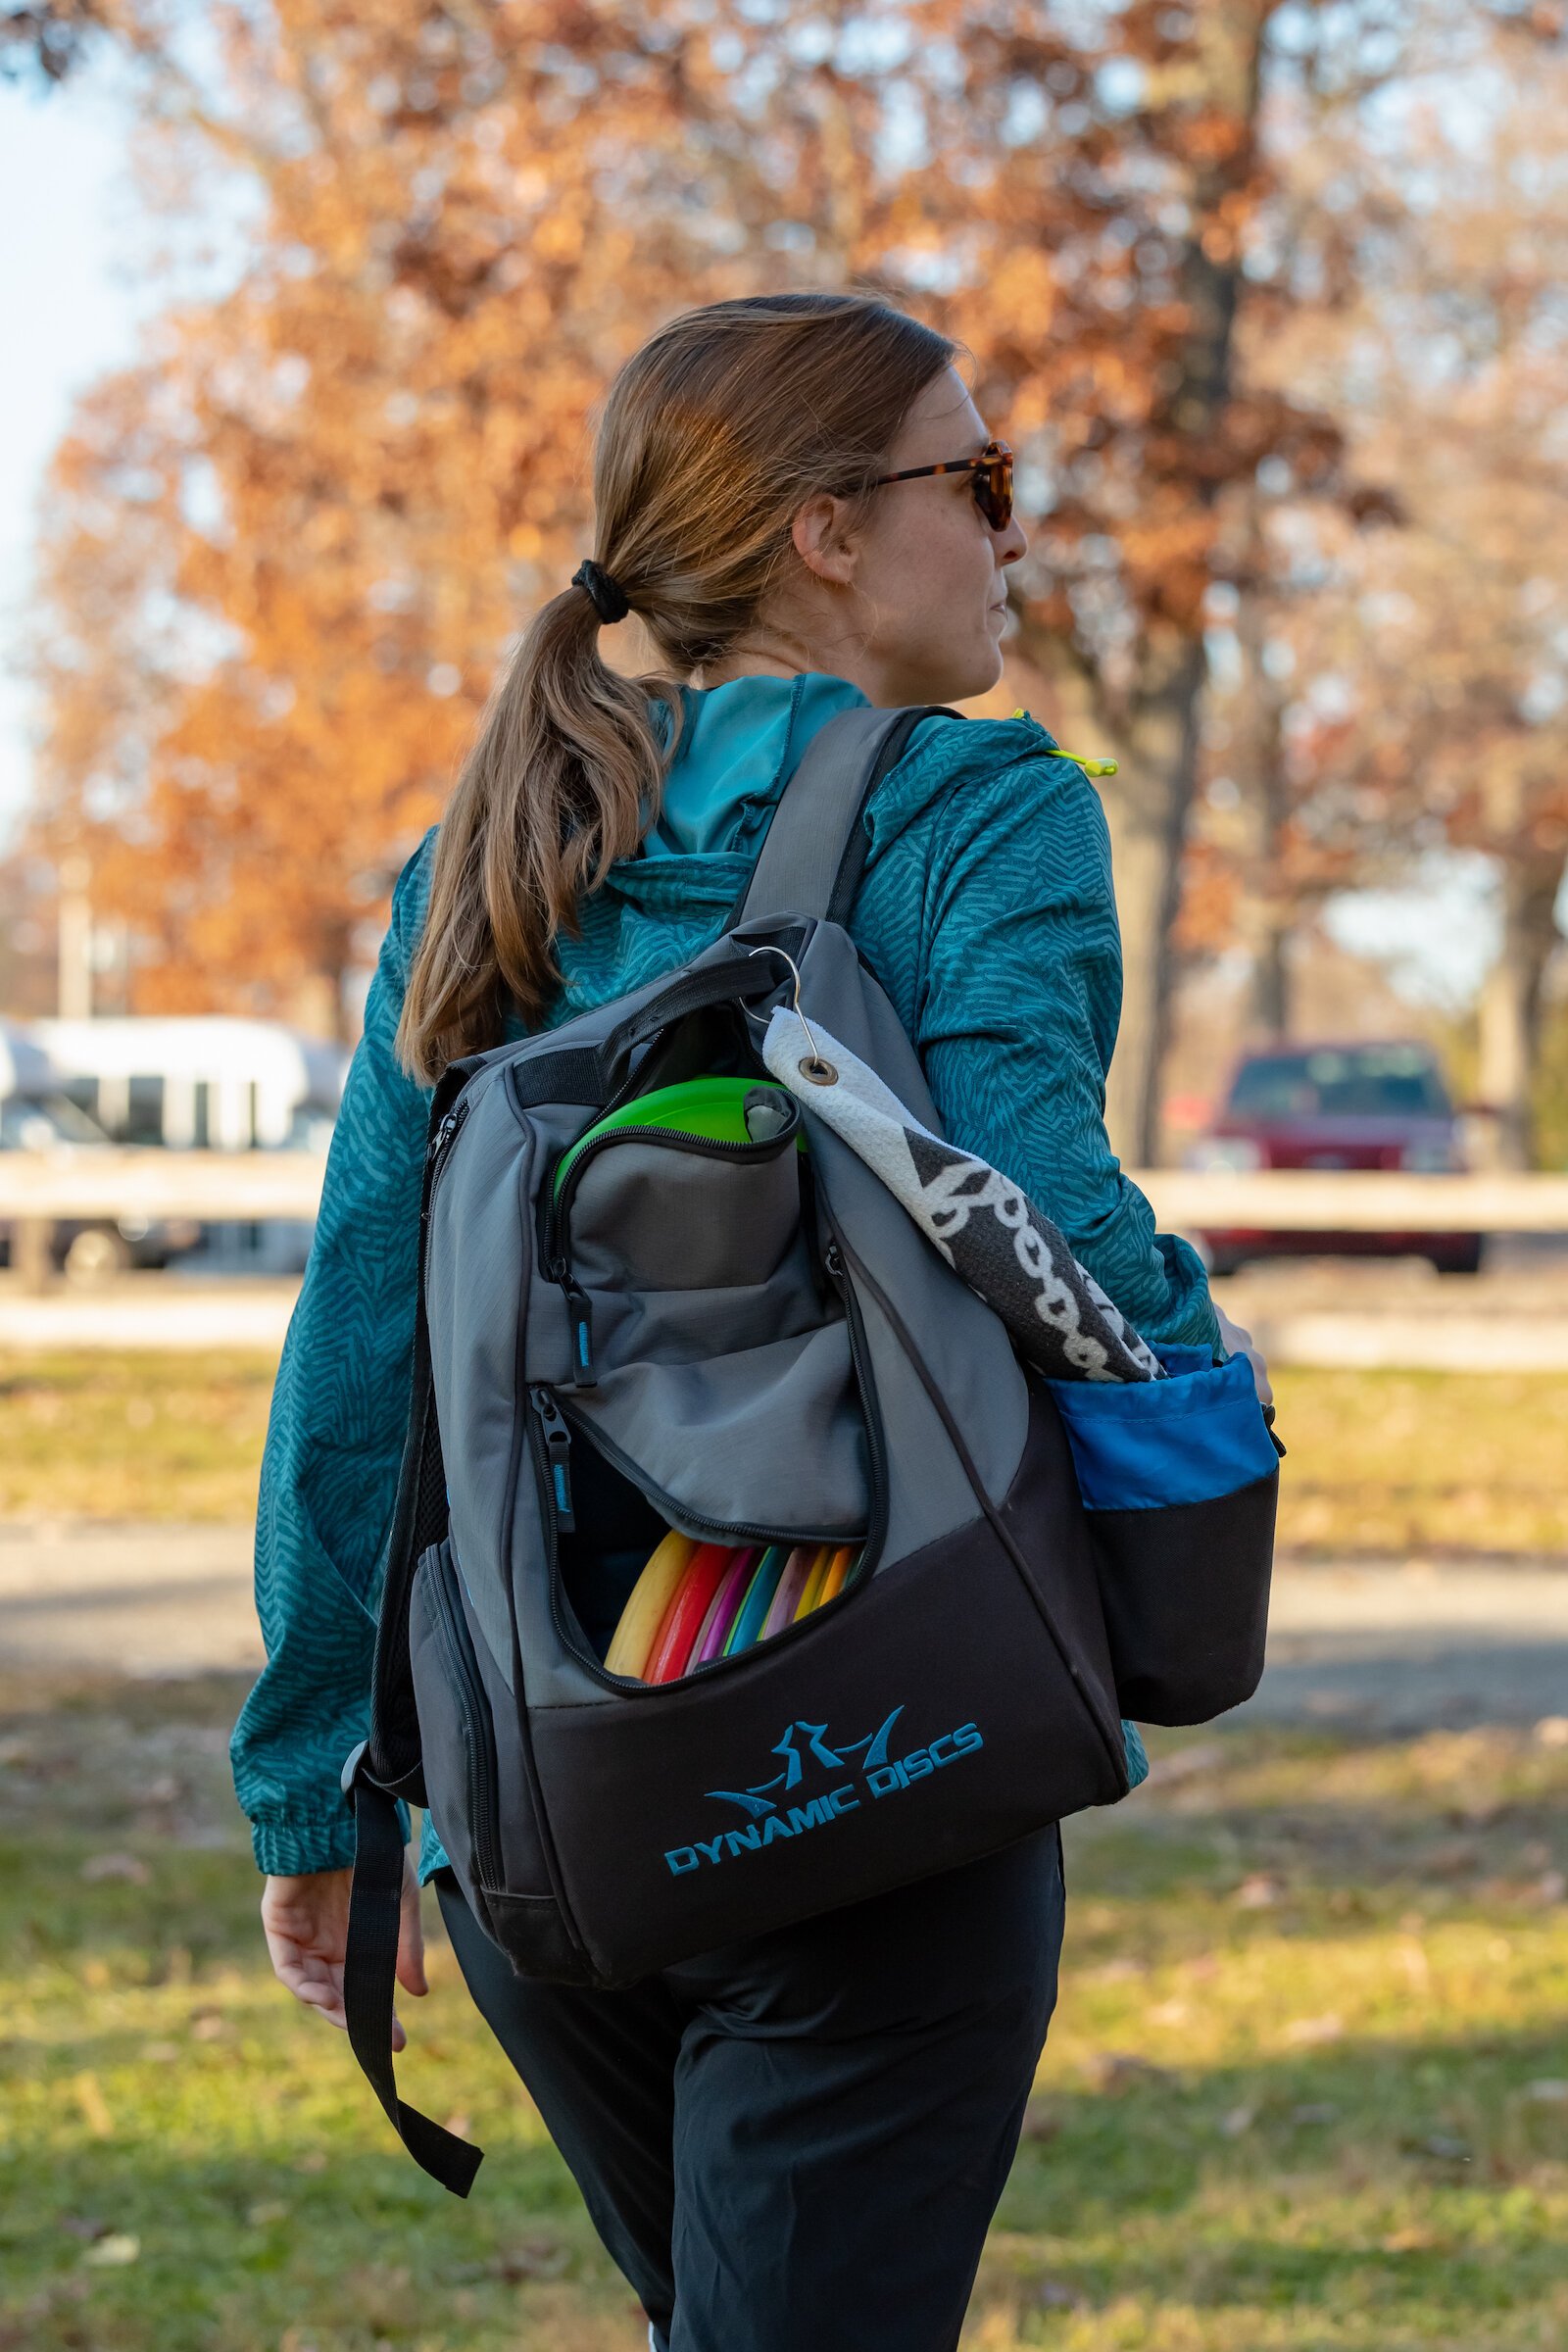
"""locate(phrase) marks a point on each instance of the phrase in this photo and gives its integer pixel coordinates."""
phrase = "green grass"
(1298, 2096)
(132, 1436)
(1433, 1462)
(1379, 1462)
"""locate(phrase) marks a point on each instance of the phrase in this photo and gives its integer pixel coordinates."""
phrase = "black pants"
(796, 2144)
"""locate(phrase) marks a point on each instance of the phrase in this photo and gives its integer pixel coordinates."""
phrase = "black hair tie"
(609, 600)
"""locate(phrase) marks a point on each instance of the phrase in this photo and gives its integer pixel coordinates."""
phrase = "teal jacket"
(987, 912)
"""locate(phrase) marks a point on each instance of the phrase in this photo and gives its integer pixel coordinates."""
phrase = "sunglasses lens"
(993, 490)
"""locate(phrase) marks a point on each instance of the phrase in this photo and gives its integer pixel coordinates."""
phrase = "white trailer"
(203, 1082)
(199, 1082)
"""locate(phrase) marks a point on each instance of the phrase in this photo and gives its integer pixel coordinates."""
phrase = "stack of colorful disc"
(695, 1603)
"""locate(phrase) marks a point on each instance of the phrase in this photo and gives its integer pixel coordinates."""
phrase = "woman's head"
(735, 510)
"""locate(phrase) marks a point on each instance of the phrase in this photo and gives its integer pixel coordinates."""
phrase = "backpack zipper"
(436, 1155)
(445, 1136)
(558, 1459)
(478, 1731)
(861, 1360)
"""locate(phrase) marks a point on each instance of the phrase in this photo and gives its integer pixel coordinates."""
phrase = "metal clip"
(815, 1065)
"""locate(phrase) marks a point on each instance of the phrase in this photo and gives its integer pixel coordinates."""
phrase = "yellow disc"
(812, 1589)
(838, 1568)
(644, 1613)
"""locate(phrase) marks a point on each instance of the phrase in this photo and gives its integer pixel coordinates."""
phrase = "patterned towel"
(988, 1231)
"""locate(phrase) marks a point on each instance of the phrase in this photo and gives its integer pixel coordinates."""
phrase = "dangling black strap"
(370, 1976)
(387, 1766)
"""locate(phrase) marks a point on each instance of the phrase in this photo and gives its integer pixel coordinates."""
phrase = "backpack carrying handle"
(710, 984)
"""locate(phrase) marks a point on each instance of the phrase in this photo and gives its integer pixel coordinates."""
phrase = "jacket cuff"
(293, 1844)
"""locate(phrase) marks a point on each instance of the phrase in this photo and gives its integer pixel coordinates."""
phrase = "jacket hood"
(740, 745)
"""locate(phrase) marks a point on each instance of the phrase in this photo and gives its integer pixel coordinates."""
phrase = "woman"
(796, 2144)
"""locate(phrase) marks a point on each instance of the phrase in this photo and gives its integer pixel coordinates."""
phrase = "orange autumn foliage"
(283, 555)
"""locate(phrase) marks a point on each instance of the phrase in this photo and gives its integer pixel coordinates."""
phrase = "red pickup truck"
(1337, 1106)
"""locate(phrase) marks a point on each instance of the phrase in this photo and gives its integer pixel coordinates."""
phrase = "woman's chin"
(979, 675)
(954, 675)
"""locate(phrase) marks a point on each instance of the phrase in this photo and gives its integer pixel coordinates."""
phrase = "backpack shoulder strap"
(816, 847)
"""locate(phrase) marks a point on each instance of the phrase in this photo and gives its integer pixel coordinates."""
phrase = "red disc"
(683, 1619)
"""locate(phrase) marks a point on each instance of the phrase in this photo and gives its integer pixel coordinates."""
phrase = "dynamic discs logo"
(873, 1772)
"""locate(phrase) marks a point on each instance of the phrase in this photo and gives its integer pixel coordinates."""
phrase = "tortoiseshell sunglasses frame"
(993, 480)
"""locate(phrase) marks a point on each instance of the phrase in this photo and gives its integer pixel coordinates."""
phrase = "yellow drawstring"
(1090, 767)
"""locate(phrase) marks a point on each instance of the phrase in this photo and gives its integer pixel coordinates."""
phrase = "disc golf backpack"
(626, 1329)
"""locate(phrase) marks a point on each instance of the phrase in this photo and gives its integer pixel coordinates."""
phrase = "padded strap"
(815, 846)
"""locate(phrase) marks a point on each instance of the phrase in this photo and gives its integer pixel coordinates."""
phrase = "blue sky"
(73, 308)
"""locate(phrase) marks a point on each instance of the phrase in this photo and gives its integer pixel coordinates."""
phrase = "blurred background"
(309, 309)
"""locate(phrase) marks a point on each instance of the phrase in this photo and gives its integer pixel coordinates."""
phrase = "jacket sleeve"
(1018, 996)
(334, 1442)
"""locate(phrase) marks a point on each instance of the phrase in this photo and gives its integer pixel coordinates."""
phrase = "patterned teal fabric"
(988, 915)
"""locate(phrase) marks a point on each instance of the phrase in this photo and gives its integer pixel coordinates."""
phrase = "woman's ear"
(821, 540)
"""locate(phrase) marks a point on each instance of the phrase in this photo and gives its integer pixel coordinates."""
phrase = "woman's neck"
(749, 665)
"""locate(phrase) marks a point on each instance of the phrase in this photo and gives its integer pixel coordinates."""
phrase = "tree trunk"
(1510, 1005)
(1260, 763)
(1147, 808)
(1151, 724)
(1154, 743)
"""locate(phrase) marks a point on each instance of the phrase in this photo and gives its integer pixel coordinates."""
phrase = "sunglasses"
(992, 471)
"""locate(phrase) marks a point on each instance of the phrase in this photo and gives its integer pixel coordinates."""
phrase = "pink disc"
(791, 1585)
(709, 1642)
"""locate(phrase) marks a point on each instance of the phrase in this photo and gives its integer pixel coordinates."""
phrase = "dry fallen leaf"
(84, 2225)
(1115, 2070)
(533, 2258)
(1307, 2033)
(1052, 2295)
(128, 1867)
(94, 2107)
(1039, 2122)
(106, 2253)
(1185, 1764)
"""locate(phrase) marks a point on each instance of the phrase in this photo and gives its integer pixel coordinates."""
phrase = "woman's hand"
(306, 1921)
(1238, 1342)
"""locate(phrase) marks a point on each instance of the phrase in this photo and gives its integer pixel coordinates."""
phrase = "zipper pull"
(444, 1134)
(557, 1457)
(1090, 767)
(579, 1307)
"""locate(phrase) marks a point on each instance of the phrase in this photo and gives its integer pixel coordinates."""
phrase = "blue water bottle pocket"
(1180, 1480)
